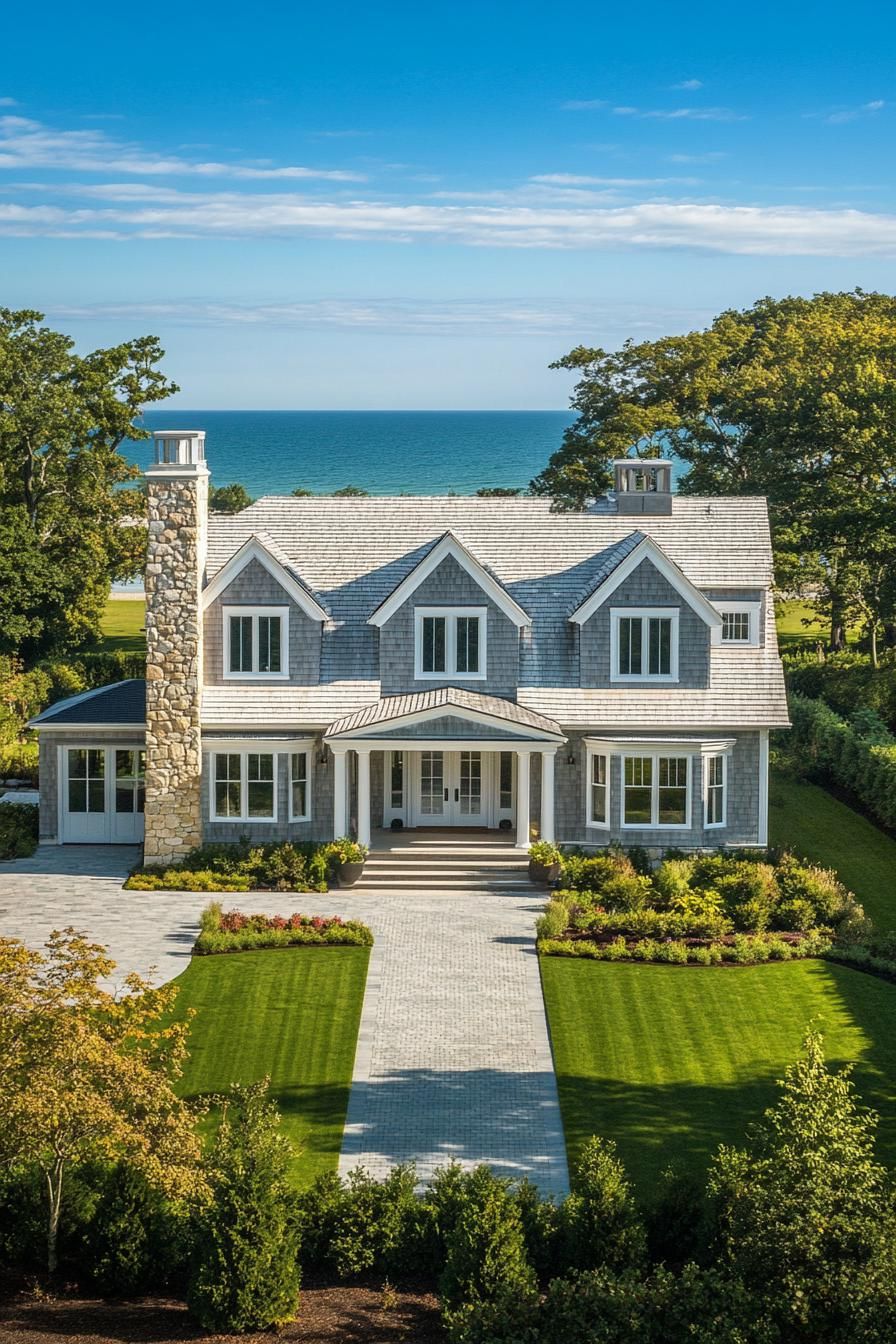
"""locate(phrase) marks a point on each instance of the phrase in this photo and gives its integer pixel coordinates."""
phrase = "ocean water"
(384, 452)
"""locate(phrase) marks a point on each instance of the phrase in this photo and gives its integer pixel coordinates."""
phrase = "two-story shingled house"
(320, 666)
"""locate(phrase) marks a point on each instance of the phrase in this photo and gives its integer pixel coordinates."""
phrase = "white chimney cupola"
(179, 447)
(643, 485)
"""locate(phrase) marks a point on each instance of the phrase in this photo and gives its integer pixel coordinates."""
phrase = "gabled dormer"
(645, 624)
(262, 622)
(450, 621)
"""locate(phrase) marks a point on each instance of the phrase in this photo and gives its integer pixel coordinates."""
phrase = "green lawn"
(671, 1061)
(808, 820)
(292, 1015)
(789, 618)
(122, 625)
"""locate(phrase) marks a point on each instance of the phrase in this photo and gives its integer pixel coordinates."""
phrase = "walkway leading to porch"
(454, 1060)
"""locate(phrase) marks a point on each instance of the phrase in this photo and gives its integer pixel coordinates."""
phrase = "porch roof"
(420, 706)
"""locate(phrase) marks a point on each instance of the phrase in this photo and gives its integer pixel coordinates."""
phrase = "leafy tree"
(794, 399)
(805, 1215)
(301, 493)
(64, 492)
(88, 1076)
(497, 492)
(350, 492)
(229, 498)
(245, 1274)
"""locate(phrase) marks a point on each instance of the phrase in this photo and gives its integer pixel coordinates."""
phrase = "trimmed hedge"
(822, 743)
(744, 949)
(844, 680)
(18, 830)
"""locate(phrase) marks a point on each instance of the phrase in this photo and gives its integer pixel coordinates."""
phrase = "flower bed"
(704, 910)
(288, 866)
(233, 931)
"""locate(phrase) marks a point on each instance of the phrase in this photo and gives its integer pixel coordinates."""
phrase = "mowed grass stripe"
(808, 820)
(290, 1015)
(672, 1061)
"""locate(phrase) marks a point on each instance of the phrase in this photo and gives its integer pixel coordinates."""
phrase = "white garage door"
(102, 792)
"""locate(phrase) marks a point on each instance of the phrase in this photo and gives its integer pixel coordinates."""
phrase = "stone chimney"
(177, 502)
(643, 485)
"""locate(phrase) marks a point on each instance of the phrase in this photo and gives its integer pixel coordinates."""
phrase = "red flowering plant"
(234, 931)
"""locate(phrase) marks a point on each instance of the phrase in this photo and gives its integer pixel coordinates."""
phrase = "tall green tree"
(65, 505)
(794, 399)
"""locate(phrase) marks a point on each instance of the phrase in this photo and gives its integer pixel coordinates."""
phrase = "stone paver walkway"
(453, 1058)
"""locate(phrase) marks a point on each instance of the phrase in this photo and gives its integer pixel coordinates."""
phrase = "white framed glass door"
(101, 794)
(452, 789)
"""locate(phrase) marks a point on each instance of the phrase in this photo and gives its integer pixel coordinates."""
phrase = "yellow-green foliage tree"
(87, 1074)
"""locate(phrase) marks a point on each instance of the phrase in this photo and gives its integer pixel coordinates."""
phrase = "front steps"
(427, 860)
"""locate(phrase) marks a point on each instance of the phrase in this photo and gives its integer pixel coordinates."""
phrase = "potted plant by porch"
(346, 858)
(545, 863)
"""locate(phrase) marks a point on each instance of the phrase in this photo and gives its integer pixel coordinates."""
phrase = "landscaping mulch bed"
(328, 1315)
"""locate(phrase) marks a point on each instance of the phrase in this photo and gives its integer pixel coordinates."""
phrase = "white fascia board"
(267, 745)
(450, 546)
(648, 550)
(253, 549)
(685, 746)
(74, 729)
(440, 712)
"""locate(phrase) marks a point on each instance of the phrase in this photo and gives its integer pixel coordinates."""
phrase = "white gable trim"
(253, 549)
(649, 550)
(370, 730)
(450, 546)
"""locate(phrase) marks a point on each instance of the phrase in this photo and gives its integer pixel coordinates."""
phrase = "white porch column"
(522, 799)
(339, 826)
(363, 795)
(547, 795)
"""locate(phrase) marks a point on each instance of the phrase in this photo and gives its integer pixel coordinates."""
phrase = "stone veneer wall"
(177, 521)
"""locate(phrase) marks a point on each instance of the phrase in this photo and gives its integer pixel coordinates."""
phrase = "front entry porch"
(441, 760)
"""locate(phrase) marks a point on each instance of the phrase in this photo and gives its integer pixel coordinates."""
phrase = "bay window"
(656, 791)
(644, 644)
(450, 642)
(256, 642)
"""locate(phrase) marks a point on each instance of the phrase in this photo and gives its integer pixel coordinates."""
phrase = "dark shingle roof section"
(123, 703)
(607, 562)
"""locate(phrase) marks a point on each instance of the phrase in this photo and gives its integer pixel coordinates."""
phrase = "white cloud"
(712, 156)
(681, 113)
(583, 104)
(854, 113)
(786, 230)
(26, 144)
(691, 85)
(8, 102)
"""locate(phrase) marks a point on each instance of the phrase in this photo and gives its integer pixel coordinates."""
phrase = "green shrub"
(674, 1217)
(601, 1226)
(284, 866)
(18, 830)
(554, 920)
(672, 879)
(581, 873)
(134, 1242)
(626, 892)
(488, 1288)
(601, 1306)
(819, 887)
(544, 853)
(824, 745)
(19, 760)
(749, 893)
(244, 1273)
(540, 1220)
(359, 1225)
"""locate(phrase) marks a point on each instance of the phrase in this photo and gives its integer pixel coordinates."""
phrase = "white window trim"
(306, 752)
(645, 613)
(255, 612)
(253, 750)
(753, 610)
(655, 824)
(450, 614)
(715, 825)
(589, 819)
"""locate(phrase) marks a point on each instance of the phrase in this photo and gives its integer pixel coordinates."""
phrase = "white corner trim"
(648, 549)
(254, 549)
(763, 786)
(450, 546)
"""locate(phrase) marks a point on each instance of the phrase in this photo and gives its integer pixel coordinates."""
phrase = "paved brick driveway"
(453, 1056)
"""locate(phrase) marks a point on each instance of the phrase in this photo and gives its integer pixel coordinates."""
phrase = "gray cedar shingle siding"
(646, 587)
(320, 827)
(449, 585)
(255, 586)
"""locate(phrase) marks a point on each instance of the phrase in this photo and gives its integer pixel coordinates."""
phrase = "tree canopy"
(64, 497)
(794, 399)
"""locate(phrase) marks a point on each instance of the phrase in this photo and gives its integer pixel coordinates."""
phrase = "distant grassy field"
(672, 1061)
(122, 625)
(290, 1015)
(790, 618)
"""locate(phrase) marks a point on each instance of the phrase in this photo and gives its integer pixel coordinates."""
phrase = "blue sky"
(420, 205)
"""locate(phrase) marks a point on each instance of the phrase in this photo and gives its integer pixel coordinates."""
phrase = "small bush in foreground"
(245, 1272)
(18, 830)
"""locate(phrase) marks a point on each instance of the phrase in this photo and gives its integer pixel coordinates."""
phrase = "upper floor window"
(256, 641)
(740, 623)
(450, 642)
(644, 644)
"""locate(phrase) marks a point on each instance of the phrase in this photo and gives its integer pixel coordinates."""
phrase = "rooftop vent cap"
(179, 447)
(643, 485)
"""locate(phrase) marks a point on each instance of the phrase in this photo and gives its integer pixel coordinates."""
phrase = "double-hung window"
(598, 789)
(715, 789)
(299, 787)
(449, 642)
(740, 623)
(244, 786)
(256, 642)
(644, 644)
(656, 791)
